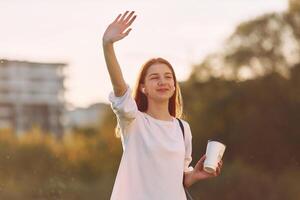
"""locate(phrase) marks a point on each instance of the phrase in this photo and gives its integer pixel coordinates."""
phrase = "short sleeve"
(188, 147)
(124, 107)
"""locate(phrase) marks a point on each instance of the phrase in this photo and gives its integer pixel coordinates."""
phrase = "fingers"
(125, 20)
(202, 158)
(220, 163)
(117, 18)
(218, 170)
(123, 16)
(127, 32)
(128, 18)
(131, 21)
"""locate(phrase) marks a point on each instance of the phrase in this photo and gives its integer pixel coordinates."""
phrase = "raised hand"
(118, 29)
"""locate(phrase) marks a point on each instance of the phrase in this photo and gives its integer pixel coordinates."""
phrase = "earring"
(143, 90)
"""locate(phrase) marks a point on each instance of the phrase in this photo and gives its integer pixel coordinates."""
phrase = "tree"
(269, 43)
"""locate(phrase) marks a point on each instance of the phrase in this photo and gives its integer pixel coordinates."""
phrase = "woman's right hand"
(116, 30)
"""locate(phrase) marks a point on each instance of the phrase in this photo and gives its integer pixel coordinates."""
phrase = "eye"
(169, 77)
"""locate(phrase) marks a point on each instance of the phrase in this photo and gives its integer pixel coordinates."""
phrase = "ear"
(173, 87)
(142, 88)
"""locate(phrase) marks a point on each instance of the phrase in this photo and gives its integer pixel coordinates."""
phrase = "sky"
(70, 31)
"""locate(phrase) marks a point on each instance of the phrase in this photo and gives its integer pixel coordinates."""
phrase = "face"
(159, 82)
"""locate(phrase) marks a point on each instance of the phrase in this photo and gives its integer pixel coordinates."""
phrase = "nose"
(162, 81)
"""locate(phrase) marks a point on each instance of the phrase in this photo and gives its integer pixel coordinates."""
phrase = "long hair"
(175, 101)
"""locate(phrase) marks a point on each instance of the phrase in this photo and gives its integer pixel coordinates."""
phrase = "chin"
(163, 97)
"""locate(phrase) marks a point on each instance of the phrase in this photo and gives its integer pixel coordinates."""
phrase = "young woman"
(156, 156)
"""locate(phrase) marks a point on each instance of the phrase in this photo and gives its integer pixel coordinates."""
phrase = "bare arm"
(117, 30)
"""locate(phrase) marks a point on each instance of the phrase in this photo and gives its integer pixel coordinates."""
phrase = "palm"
(118, 29)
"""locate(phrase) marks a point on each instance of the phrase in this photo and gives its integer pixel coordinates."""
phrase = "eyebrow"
(167, 73)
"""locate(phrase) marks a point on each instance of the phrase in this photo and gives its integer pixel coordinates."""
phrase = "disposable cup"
(214, 153)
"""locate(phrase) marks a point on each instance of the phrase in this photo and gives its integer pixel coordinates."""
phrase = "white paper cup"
(214, 153)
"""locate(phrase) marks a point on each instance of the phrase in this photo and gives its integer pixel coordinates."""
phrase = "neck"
(159, 110)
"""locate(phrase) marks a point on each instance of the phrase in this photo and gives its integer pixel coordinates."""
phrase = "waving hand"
(119, 28)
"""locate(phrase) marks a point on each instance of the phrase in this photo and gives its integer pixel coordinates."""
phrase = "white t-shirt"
(155, 155)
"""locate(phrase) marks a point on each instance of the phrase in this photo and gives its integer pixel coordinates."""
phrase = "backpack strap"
(187, 193)
(181, 126)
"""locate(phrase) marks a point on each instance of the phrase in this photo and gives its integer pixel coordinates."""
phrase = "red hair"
(175, 102)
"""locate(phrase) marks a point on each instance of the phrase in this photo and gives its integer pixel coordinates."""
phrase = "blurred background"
(238, 63)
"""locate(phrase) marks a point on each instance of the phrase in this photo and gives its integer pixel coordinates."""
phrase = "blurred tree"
(248, 96)
(270, 43)
(294, 5)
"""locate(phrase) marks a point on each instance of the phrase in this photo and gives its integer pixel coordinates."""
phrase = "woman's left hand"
(199, 172)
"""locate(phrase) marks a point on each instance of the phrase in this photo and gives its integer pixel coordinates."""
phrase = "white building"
(31, 94)
(91, 116)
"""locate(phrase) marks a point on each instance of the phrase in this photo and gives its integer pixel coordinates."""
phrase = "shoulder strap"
(181, 126)
(187, 193)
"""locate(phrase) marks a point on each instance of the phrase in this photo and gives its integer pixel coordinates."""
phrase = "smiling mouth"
(163, 90)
